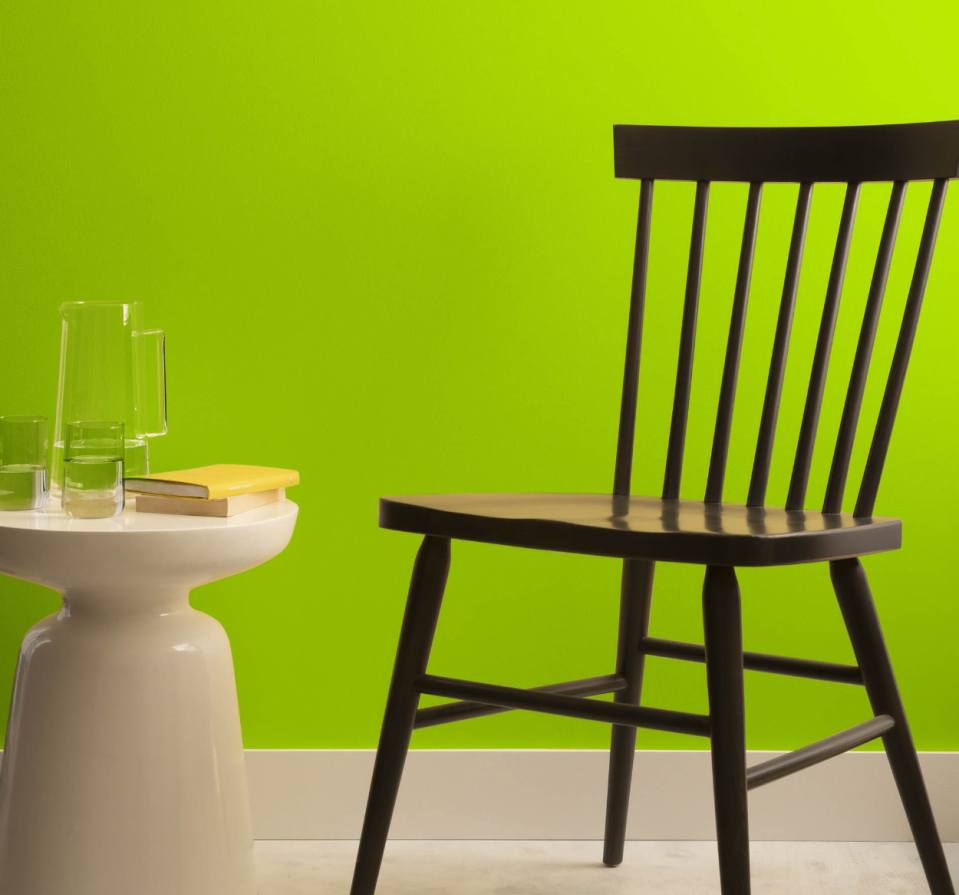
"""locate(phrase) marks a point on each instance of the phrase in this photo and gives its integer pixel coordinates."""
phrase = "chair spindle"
(820, 364)
(684, 371)
(634, 341)
(900, 361)
(860, 368)
(734, 346)
(777, 364)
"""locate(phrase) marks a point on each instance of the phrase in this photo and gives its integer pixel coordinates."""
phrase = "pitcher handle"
(154, 355)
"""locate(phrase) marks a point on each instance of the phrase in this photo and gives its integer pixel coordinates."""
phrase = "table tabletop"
(52, 518)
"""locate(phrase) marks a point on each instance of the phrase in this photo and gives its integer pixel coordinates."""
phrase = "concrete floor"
(574, 868)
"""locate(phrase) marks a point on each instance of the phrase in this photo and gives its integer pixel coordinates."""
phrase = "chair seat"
(643, 527)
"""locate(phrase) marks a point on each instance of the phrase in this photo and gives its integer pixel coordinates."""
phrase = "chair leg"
(634, 602)
(412, 654)
(862, 622)
(722, 621)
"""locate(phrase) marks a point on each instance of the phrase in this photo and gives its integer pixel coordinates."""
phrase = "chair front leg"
(722, 621)
(416, 638)
(634, 603)
(865, 632)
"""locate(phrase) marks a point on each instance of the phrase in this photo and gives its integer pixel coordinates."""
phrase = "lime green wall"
(387, 247)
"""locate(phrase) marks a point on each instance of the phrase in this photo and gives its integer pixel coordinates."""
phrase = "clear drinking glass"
(24, 484)
(111, 368)
(92, 486)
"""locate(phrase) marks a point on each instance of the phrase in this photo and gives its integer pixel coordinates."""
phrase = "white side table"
(123, 771)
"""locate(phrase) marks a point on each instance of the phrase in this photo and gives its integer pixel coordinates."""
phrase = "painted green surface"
(386, 245)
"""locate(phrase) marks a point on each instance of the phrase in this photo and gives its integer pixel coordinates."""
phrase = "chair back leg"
(416, 638)
(635, 597)
(722, 621)
(862, 622)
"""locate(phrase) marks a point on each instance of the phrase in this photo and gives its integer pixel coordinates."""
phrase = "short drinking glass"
(93, 469)
(23, 462)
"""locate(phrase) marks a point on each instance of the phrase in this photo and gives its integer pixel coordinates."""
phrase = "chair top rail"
(867, 153)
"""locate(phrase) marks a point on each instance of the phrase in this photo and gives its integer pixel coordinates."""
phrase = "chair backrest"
(851, 155)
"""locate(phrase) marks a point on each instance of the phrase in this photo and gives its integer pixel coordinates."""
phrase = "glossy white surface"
(123, 769)
(52, 518)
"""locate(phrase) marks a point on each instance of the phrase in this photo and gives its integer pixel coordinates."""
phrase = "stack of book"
(222, 490)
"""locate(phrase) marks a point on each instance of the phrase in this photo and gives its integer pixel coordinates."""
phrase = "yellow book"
(211, 482)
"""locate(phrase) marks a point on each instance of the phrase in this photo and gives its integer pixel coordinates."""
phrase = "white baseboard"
(561, 794)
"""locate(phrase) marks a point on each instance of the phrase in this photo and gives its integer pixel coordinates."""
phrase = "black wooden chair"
(717, 535)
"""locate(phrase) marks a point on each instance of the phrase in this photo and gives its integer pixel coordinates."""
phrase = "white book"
(198, 506)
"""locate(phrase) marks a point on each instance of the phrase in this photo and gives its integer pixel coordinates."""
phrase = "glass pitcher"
(110, 369)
